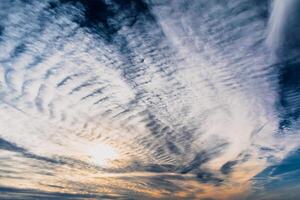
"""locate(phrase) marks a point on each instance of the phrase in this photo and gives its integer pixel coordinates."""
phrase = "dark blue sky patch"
(19, 50)
(1, 31)
(281, 180)
(103, 18)
(6, 145)
(291, 33)
(208, 177)
(289, 83)
(289, 164)
(228, 167)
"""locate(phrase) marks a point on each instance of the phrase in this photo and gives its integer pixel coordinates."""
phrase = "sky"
(150, 99)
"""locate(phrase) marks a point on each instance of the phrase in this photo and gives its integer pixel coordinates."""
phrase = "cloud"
(186, 93)
(13, 193)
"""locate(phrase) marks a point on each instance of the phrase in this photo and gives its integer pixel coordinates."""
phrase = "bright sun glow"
(102, 153)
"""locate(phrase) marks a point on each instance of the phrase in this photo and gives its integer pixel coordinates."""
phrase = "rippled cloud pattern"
(149, 99)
